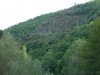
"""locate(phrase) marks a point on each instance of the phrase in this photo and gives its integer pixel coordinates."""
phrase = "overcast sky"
(15, 11)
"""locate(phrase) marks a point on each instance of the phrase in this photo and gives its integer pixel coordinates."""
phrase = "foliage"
(8, 54)
(49, 61)
(54, 44)
(73, 58)
(1, 33)
(92, 53)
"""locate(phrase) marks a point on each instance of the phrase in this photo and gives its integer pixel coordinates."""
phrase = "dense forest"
(66, 42)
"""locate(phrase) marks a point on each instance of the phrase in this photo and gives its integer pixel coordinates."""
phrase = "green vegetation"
(66, 42)
(1, 33)
(73, 58)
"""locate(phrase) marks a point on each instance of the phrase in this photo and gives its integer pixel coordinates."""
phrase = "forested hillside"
(61, 43)
(61, 21)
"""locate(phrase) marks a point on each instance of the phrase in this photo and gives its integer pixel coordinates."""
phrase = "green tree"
(24, 55)
(92, 53)
(8, 54)
(49, 61)
(31, 68)
(73, 58)
(1, 32)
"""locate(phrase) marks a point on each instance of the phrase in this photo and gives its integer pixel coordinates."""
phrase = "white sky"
(15, 11)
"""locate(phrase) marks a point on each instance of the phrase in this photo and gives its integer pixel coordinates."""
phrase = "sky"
(15, 11)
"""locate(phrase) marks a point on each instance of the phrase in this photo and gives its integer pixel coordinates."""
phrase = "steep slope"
(49, 36)
(61, 21)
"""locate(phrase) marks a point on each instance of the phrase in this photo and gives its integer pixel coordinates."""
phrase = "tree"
(73, 58)
(8, 54)
(30, 68)
(49, 61)
(24, 55)
(1, 32)
(37, 68)
(9, 59)
(92, 53)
